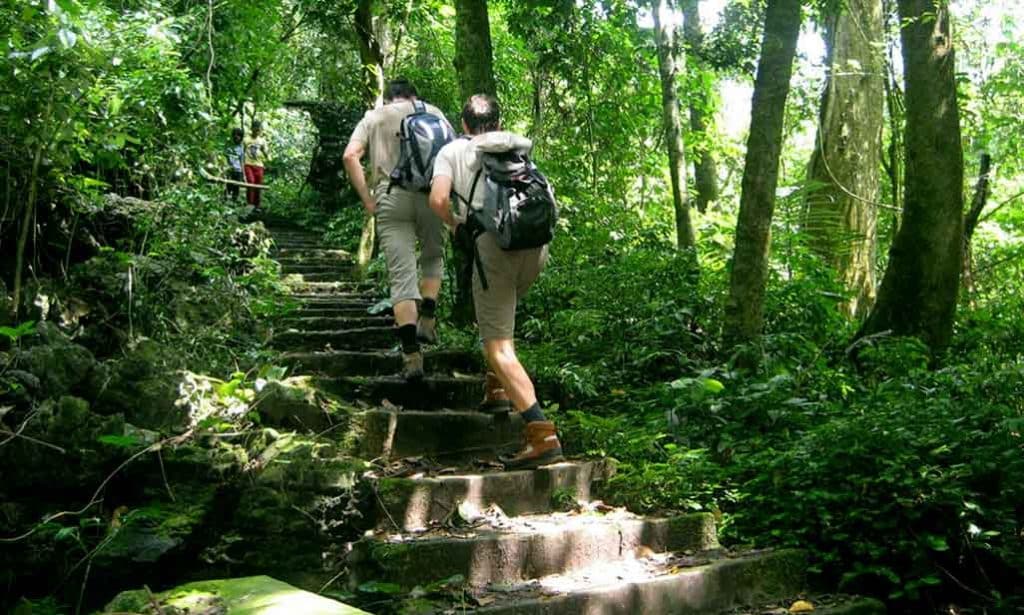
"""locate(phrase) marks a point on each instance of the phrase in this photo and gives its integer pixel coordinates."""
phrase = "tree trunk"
(372, 57)
(669, 63)
(474, 58)
(705, 172)
(919, 291)
(981, 191)
(840, 218)
(744, 307)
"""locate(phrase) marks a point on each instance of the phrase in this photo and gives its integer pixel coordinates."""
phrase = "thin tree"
(474, 56)
(371, 55)
(918, 294)
(840, 217)
(670, 64)
(705, 171)
(744, 307)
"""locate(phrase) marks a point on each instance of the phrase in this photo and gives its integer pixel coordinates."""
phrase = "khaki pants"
(509, 275)
(403, 218)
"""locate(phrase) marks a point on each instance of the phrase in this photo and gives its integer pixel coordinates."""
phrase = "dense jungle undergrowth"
(137, 390)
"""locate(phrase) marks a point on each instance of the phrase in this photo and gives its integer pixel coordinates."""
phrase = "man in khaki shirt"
(403, 218)
(509, 274)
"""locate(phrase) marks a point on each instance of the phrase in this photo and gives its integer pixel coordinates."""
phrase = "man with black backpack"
(403, 137)
(507, 215)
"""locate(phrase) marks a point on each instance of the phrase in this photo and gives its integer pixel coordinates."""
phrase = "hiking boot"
(496, 400)
(542, 447)
(412, 366)
(426, 330)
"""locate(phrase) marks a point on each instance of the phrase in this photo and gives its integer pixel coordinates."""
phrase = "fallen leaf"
(801, 606)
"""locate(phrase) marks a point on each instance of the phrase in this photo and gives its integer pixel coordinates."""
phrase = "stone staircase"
(522, 542)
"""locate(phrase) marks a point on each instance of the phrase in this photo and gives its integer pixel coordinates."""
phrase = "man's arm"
(352, 159)
(440, 193)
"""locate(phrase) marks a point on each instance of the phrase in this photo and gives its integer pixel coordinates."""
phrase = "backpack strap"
(418, 106)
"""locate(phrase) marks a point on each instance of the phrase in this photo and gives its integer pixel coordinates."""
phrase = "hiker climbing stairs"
(522, 542)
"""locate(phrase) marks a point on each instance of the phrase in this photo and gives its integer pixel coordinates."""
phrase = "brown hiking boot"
(496, 400)
(542, 447)
(426, 330)
(412, 366)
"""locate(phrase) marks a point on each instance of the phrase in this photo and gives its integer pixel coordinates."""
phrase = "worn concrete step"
(365, 338)
(418, 502)
(369, 363)
(434, 392)
(313, 253)
(291, 265)
(448, 434)
(299, 244)
(659, 586)
(297, 284)
(337, 323)
(824, 604)
(326, 275)
(336, 299)
(527, 547)
(330, 311)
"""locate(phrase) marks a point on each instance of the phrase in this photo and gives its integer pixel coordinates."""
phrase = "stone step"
(527, 547)
(389, 434)
(299, 244)
(326, 275)
(331, 311)
(340, 299)
(368, 363)
(293, 266)
(313, 253)
(824, 604)
(337, 323)
(658, 586)
(416, 503)
(434, 392)
(366, 338)
(297, 284)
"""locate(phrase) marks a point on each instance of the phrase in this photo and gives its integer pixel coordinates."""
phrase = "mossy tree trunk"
(474, 57)
(918, 294)
(744, 307)
(705, 171)
(670, 64)
(840, 217)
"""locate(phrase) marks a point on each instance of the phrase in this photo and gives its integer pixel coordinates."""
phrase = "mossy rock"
(297, 403)
(259, 595)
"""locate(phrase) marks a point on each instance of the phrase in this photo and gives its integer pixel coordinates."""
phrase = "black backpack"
(519, 205)
(422, 135)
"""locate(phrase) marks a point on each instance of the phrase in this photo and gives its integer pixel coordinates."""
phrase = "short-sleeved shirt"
(379, 132)
(461, 161)
(256, 152)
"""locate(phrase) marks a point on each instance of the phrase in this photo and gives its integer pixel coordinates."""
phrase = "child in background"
(256, 154)
(234, 154)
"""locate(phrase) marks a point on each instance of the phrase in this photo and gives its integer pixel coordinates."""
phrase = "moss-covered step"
(416, 503)
(434, 392)
(367, 363)
(364, 338)
(526, 547)
(336, 323)
(297, 264)
(391, 434)
(329, 310)
(822, 604)
(258, 595)
(687, 586)
(343, 300)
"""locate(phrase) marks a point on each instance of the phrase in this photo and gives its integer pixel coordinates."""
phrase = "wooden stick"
(214, 178)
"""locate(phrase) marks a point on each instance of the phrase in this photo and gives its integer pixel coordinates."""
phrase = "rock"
(142, 388)
(259, 595)
(298, 404)
(61, 367)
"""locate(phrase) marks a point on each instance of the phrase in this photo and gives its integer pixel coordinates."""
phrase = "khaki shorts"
(509, 275)
(403, 218)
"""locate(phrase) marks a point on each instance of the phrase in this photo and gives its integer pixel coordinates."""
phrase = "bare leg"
(405, 312)
(501, 356)
(430, 288)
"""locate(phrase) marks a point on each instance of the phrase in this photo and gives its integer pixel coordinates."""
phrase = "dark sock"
(533, 414)
(407, 333)
(428, 307)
